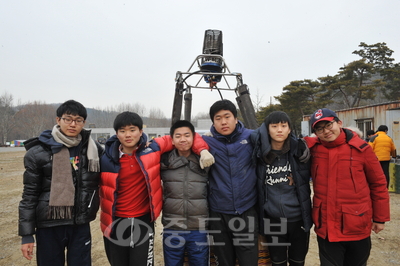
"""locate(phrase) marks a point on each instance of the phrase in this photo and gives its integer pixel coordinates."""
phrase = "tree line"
(24, 121)
(374, 78)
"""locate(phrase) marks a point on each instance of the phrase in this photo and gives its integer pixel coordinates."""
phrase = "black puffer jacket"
(33, 208)
(300, 171)
(185, 192)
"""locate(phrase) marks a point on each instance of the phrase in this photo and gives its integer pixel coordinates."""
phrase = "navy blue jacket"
(300, 173)
(232, 178)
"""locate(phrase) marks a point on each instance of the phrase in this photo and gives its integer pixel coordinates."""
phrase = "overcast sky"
(102, 53)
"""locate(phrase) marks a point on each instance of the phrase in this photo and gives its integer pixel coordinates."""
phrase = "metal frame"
(182, 77)
(184, 88)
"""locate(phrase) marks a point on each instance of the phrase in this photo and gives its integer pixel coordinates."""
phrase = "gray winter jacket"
(185, 192)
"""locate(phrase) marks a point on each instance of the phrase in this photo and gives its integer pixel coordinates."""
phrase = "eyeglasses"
(69, 121)
(327, 126)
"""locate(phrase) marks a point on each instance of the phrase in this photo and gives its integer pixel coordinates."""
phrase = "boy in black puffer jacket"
(60, 196)
(283, 173)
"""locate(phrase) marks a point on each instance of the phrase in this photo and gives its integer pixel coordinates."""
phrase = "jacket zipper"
(185, 196)
(132, 244)
(91, 199)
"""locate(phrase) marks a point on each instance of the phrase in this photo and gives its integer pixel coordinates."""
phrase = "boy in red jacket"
(130, 190)
(350, 194)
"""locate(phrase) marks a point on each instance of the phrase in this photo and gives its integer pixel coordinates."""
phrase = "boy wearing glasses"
(60, 196)
(350, 195)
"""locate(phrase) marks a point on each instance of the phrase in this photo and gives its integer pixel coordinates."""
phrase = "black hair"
(277, 117)
(383, 128)
(179, 124)
(370, 132)
(72, 107)
(128, 119)
(222, 105)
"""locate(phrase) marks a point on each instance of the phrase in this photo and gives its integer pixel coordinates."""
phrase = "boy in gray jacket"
(185, 208)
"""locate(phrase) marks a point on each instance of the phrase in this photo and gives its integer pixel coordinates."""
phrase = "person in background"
(369, 133)
(350, 194)
(60, 196)
(130, 190)
(384, 149)
(185, 208)
(284, 189)
(233, 192)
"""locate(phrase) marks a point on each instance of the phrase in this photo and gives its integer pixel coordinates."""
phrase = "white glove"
(208, 134)
(206, 159)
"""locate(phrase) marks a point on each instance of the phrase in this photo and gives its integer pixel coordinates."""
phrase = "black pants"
(235, 236)
(131, 242)
(385, 168)
(291, 246)
(345, 253)
(52, 242)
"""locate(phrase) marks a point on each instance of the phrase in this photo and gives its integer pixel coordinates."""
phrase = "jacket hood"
(48, 140)
(261, 139)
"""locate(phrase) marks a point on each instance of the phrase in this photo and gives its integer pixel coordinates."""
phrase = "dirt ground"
(385, 245)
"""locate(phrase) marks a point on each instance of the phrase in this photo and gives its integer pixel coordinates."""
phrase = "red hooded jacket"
(349, 188)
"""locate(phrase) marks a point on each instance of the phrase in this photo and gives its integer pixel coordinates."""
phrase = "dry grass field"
(385, 250)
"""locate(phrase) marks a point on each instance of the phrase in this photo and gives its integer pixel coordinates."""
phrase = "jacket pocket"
(356, 218)
(316, 213)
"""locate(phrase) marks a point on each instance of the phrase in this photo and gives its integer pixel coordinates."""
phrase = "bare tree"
(6, 116)
(258, 101)
(156, 118)
(138, 108)
(33, 118)
(104, 116)
(101, 117)
(200, 115)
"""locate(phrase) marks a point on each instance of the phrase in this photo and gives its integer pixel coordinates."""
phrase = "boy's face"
(225, 122)
(129, 137)
(328, 131)
(279, 132)
(71, 125)
(183, 140)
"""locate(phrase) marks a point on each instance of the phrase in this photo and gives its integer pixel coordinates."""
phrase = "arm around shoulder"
(164, 143)
(199, 144)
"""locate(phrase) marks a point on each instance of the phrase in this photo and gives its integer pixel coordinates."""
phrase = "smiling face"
(278, 132)
(182, 139)
(224, 122)
(71, 125)
(129, 137)
(328, 131)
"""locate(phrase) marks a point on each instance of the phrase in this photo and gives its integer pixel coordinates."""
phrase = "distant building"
(102, 134)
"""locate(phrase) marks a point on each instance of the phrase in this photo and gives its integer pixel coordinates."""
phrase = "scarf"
(62, 190)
